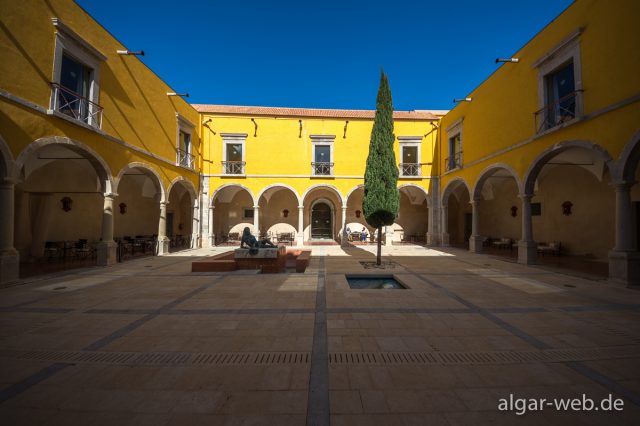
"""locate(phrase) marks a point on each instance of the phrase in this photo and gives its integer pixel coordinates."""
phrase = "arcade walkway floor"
(148, 342)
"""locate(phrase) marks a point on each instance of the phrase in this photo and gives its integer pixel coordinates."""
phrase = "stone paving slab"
(147, 342)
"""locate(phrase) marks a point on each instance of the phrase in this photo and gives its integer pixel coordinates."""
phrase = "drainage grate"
(476, 358)
(165, 358)
(336, 358)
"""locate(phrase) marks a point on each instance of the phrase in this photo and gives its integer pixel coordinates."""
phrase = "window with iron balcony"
(410, 156)
(184, 149)
(233, 153)
(559, 84)
(76, 77)
(322, 164)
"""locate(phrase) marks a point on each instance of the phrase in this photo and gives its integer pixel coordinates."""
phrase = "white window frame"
(565, 51)
(455, 129)
(69, 42)
(184, 125)
(411, 141)
(322, 140)
(234, 139)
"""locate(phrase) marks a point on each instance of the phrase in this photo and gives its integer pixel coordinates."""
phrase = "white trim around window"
(406, 142)
(234, 139)
(568, 50)
(70, 43)
(322, 140)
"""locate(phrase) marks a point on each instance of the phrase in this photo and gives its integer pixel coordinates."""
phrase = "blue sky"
(324, 54)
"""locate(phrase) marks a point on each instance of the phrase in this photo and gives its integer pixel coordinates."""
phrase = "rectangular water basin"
(374, 282)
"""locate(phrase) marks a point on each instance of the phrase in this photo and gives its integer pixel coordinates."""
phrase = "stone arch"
(453, 183)
(100, 166)
(490, 171)
(542, 159)
(629, 160)
(148, 168)
(325, 186)
(187, 184)
(229, 185)
(424, 191)
(352, 190)
(276, 185)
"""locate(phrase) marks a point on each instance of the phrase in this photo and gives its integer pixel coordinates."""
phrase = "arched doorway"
(456, 214)
(181, 219)
(137, 210)
(60, 206)
(278, 213)
(572, 203)
(498, 206)
(233, 210)
(322, 220)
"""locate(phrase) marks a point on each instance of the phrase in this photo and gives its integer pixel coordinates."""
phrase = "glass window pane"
(74, 76)
(234, 152)
(323, 154)
(410, 154)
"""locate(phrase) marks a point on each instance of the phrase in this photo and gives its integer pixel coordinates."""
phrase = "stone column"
(527, 247)
(475, 241)
(9, 256)
(163, 241)
(107, 248)
(195, 226)
(624, 259)
(444, 224)
(212, 233)
(343, 236)
(300, 236)
(389, 235)
(256, 220)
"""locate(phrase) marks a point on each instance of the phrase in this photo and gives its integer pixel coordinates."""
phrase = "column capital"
(475, 201)
(344, 207)
(110, 195)
(163, 203)
(525, 197)
(300, 207)
(8, 181)
(256, 207)
(623, 185)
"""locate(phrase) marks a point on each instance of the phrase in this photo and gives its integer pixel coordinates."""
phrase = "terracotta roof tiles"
(312, 112)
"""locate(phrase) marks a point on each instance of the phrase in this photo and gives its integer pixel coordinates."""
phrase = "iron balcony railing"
(322, 169)
(184, 158)
(76, 106)
(556, 113)
(453, 162)
(409, 169)
(233, 167)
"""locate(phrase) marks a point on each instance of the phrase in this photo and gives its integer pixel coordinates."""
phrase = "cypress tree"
(381, 196)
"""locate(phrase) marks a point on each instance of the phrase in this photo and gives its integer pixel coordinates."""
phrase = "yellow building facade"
(546, 148)
(300, 172)
(95, 149)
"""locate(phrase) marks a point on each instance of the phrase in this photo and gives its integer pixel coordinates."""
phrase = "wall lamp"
(346, 123)
(255, 129)
(206, 122)
(300, 133)
(455, 101)
(129, 52)
(511, 60)
(184, 95)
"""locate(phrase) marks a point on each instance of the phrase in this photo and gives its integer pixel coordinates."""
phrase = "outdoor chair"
(553, 248)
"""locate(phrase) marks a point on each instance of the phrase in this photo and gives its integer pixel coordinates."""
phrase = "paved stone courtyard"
(148, 342)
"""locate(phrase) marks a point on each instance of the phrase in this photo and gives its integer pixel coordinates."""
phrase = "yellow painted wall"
(136, 107)
(278, 150)
(501, 114)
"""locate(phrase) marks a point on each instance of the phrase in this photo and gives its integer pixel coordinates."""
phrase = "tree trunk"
(378, 258)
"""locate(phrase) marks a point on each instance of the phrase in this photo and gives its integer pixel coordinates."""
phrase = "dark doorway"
(468, 219)
(321, 221)
(170, 224)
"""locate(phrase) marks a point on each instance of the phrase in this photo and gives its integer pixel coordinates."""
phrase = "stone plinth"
(268, 260)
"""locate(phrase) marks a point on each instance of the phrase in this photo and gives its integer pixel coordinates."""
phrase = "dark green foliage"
(381, 196)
